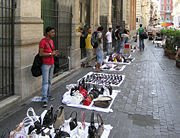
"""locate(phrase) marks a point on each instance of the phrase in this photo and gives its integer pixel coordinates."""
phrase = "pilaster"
(28, 33)
(75, 52)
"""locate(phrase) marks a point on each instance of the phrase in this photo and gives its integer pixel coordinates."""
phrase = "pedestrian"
(117, 39)
(141, 39)
(82, 42)
(89, 47)
(109, 41)
(125, 36)
(99, 49)
(47, 52)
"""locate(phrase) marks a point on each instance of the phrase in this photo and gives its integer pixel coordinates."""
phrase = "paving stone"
(148, 108)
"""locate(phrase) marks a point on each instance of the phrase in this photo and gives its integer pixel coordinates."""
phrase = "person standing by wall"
(47, 52)
(141, 39)
(109, 41)
(89, 47)
(99, 49)
(117, 39)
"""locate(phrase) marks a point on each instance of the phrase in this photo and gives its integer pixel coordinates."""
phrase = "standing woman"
(99, 49)
(47, 52)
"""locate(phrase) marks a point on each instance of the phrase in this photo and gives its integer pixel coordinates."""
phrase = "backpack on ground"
(94, 39)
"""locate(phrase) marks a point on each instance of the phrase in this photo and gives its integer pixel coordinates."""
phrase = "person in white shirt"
(109, 41)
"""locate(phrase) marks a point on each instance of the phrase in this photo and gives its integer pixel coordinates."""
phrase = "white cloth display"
(90, 107)
(120, 63)
(113, 85)
(79, 132)
(112, 67)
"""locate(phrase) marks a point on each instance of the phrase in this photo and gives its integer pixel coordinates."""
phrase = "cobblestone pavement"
(147, 107)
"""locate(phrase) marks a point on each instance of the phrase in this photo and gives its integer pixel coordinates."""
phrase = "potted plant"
(178, 62)
(172, 39)
(178, 57)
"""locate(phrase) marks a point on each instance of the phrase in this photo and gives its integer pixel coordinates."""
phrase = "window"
(162, 8)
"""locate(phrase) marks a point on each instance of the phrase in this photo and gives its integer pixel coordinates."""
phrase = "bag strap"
(99, 119)
(83, 119)
(92, 119)
(49, 45)
(75, 115)
(33, 116)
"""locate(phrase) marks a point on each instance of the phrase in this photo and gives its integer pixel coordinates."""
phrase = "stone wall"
(28, 33)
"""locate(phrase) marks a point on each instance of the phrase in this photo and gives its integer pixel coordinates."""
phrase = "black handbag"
(36, 67)
(73, 123)
(61, 134)
(92, 131)
(144, 35)
(48, 118)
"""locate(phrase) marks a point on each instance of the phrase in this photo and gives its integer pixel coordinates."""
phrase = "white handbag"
(75, 99)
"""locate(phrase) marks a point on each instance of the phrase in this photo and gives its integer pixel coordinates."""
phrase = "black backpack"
(94, 39)
(36, 67)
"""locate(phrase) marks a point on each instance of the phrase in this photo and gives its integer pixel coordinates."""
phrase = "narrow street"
(147, 106)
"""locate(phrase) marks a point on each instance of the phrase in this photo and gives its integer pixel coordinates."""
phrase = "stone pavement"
(147, 107)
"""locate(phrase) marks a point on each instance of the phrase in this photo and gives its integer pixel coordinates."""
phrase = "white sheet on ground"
(79, 132)
(113, 85)
(112, 67)
(91, 107)
(120, 63)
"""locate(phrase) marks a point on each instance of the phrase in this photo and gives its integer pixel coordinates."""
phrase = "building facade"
(166, 9)
(154, 14)
(129, 15)
(22, 28)
(176, 13)
(138, 13)
(145, 8)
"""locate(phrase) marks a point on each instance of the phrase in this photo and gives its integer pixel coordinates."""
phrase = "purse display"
(59, 117)
(103, 101)
(73, 123)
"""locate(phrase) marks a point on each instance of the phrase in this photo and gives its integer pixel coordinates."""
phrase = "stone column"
(109, 13)
(75, 51)
(28, 33)
(95, 14)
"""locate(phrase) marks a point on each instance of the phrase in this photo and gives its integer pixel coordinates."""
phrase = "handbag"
(92, 131)
(59, 117)
(144, 35)
(88, 100)
(83, 91)
(36, 67)
(73, 122)
(61, 134)
(100, 125)
(109, 88)
(103, 101)
(48, 118)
